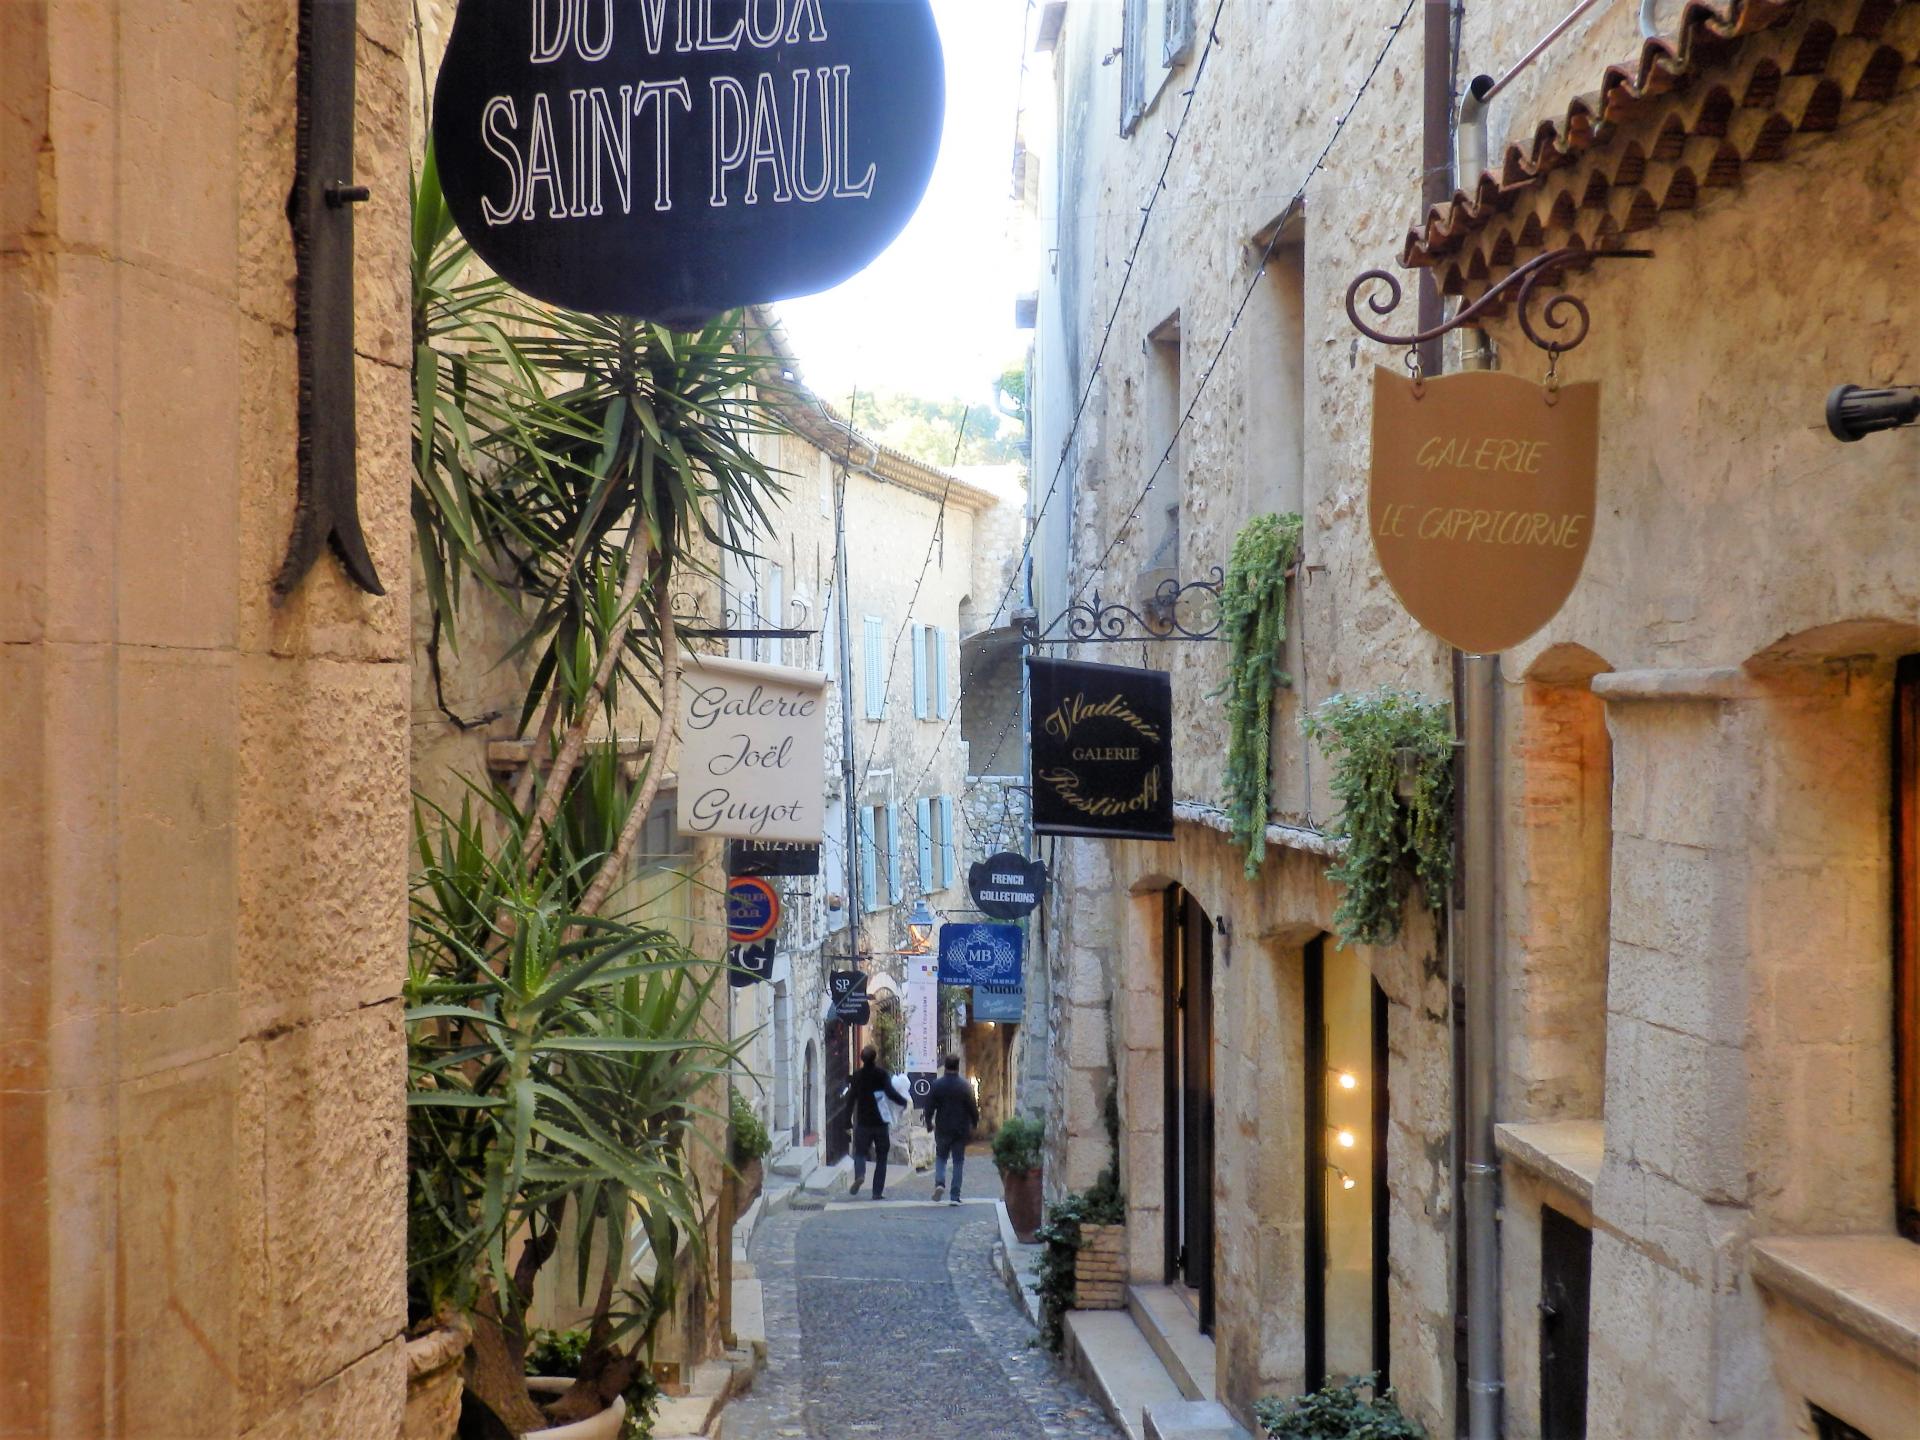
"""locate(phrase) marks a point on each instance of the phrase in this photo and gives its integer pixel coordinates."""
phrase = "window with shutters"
(895, 890)
(923, 821)
(869, 866)
(918, 634)
(1179, 31)
(875, 649)
(937, 663)
(1133, 65)
(945, 842)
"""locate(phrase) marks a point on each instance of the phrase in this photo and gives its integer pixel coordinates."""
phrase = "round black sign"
(674, 159)
(1007, 886)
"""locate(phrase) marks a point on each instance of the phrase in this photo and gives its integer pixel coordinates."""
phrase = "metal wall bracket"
(321, 210)
(1565, 316)
(1176, 611)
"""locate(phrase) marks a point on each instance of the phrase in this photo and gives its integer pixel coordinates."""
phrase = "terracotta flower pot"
(434, 1380)
(604, 1426)
(1022, 1193)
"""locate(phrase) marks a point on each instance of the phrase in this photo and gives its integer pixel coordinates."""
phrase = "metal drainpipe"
(1477, 699)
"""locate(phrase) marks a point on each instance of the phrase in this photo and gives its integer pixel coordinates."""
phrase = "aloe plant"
(580, 469)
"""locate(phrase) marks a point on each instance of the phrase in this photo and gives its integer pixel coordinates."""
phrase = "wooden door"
(1566, 1277)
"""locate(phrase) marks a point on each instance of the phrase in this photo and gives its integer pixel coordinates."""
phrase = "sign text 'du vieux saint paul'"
(676, 158)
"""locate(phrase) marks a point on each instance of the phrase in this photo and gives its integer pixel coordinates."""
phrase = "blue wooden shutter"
(893, 854)
(942, 704)
(946, 841)
(919, 634)
(869, 868)
(876, 695)
(923, 815)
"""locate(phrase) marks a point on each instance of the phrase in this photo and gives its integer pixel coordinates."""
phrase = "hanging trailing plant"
(1390, 841)
(1253, 605)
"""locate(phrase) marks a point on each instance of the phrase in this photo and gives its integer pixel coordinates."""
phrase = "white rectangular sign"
(752, 751)
(923, 1025)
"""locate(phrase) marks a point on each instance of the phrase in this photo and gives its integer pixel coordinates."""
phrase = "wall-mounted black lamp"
(1854, 411)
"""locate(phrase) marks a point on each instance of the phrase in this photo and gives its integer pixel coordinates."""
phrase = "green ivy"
(1338, 1412)
(1061, 1241)
(1390, 842)
(1253, 605)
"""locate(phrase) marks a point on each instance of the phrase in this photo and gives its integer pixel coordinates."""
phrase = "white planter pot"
(604, 1426)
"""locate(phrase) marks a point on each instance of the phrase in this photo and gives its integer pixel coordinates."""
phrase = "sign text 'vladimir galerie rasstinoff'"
(1102, 750)
(673, 159)
(751, 750)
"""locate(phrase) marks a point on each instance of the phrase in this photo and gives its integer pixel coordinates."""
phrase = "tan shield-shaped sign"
(1482, 500)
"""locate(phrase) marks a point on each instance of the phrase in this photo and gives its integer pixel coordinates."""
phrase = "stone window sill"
(1866, 1285)
(1565, 1153)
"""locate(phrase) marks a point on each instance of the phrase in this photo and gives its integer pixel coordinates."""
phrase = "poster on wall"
(1481, 503)
(674, 159)
(751, 755)
(922, 1007)
(1102, 750)
(981, 954)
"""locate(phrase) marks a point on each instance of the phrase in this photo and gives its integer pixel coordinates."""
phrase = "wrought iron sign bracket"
(1564, 317)
(327, 510)
(1175, 611)
(692, 625)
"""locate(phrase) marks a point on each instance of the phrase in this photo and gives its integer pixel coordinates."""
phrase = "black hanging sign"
(1102, 750)
(785, 858)
(849, 991)
(751, 964)
(1007, 886)
(676, 158)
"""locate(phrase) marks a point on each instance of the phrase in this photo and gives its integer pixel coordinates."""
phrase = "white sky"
(933, 316)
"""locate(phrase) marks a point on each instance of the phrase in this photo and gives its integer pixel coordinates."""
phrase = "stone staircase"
(1150, 1367)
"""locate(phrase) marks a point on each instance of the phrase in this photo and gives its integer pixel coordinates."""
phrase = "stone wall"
(1671, 864)
(201, 1102)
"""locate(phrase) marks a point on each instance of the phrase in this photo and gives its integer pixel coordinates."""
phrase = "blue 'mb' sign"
(981, 954)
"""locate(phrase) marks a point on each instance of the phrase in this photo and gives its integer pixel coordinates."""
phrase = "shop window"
(1346, 1180)
(1906, 939)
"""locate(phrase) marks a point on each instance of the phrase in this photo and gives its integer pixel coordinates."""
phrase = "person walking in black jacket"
(952, 1112)
(871, 1130)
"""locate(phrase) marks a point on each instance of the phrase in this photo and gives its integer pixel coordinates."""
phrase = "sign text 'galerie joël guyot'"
(751, 757)
(676, 158)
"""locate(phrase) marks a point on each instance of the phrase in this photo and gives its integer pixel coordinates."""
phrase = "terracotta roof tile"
(1732, 87)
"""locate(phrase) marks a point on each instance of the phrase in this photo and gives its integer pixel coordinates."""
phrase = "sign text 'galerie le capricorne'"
(1482, 500)
(676, 158)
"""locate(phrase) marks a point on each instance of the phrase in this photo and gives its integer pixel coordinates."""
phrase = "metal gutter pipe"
(1477, 690)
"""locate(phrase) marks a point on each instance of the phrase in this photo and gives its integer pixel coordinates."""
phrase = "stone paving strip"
(891, 1320)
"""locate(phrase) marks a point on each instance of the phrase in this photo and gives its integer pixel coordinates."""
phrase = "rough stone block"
(322, 1108)
(322, 826)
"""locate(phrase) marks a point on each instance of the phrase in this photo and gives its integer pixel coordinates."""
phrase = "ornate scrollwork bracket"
(1565, 316)
(692, 623)
(1175, 611)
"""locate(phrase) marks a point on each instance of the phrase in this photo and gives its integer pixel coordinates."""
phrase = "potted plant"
(1338, 1412)
(1016, 1154)
(748, 1146)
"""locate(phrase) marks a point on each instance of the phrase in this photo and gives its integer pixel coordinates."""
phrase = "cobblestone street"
(892, 1320)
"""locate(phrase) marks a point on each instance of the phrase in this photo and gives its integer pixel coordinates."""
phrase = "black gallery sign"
(1102, 750)
(676, 158)
(1007, 886)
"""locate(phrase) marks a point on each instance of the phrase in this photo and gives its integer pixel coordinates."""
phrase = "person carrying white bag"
(876, 1102)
